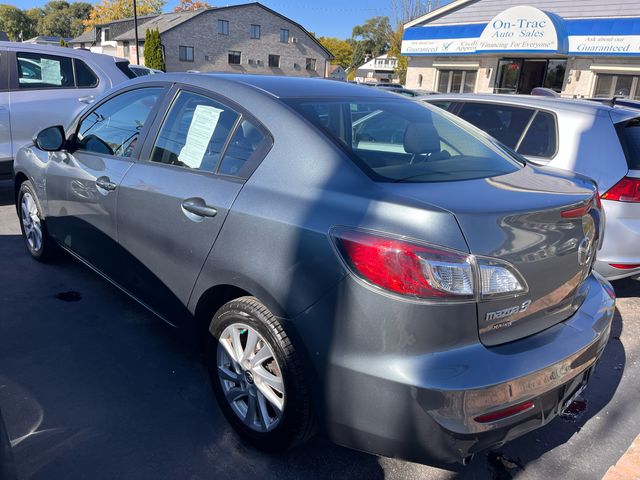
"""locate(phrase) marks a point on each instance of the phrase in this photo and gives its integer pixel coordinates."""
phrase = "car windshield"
(404, 141)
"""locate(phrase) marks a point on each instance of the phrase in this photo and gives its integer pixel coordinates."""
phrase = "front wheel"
(256, 376)
(34, 230)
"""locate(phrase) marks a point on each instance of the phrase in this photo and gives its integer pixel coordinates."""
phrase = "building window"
(255, 31)
(125, 48)
(141, 49)
(311, 64)
(234, 57)
(521, 75)
(223, 27)
(284, 35)
(106, 34)
(274, 61)
(186, 54)
(82, 45)
(609, 86)
(420, 81)
(457, 81)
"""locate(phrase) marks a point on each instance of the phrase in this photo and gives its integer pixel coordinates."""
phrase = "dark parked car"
(424, 295)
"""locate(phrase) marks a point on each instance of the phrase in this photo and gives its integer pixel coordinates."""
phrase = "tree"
(404, 11)
(375, 35)
(341, 50)
(110, 10)
(153, 50)
(60, 18)
(15, 23)
(186, 5)
(63, 43)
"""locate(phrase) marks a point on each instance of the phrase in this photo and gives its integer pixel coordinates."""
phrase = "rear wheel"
(256, 376)
(34, 230)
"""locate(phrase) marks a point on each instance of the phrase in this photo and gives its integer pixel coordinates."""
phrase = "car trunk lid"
(540, 221)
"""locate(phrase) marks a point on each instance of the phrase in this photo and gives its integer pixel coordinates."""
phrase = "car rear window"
(502, 122)
(124, 68)
(85, 78)
(629, 133)
(404, 141)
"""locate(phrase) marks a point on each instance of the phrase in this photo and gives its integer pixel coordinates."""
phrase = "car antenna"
(612, 102)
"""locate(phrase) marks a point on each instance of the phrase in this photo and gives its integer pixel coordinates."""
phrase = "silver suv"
(42, 84)
(597, 140)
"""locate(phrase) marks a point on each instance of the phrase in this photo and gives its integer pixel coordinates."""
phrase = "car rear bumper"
(422, 407)
(621, 240)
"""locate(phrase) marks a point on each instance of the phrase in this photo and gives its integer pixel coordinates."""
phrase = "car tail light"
(504, 413)
(626, 190)
(625, 266)
(424, 271)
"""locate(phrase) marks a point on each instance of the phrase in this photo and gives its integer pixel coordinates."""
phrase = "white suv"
(42, 85)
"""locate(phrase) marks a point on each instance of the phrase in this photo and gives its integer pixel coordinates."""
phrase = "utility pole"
(135, 29)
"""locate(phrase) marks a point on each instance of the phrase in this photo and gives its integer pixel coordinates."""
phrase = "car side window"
(85, 78)
(37, 70)
(194, 133)
(246, 142)
(113, 127)
(502, 122)
(540, 139)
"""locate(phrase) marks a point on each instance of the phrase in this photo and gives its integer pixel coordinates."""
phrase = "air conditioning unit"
(293, 40)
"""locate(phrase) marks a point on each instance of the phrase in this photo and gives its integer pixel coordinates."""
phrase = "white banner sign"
(610, 44)
(440, 46)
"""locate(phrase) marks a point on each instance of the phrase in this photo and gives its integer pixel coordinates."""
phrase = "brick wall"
(211, 49)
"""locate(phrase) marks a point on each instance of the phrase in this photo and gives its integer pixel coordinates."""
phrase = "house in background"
(336, 72)
(44, 40)
(101, 38)
(246, 38)
(378, 70)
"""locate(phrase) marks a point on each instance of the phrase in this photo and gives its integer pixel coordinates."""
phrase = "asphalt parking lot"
(94, 386)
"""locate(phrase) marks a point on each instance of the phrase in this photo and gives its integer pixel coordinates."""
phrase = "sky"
(330, 18)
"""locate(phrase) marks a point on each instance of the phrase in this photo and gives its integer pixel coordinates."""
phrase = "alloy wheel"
(251, 378)
(31, 222)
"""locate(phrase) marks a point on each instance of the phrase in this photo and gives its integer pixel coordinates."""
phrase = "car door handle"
(106, 184)
(198, 207)
(87, 99)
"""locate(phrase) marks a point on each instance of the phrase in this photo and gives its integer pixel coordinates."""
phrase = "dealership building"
(587, 48)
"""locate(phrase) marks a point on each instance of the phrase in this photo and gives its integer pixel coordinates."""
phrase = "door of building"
(531, 75)
(521, 75)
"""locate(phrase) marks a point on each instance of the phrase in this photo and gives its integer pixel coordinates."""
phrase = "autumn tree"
(110, 10)
(342, 50)
(16, 23)
(186, 5)
(153, 57)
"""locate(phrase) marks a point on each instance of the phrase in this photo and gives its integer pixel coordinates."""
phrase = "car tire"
(34, 231)
(246, 380)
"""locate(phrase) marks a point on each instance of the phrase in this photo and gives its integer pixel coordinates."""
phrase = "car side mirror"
(50, 139)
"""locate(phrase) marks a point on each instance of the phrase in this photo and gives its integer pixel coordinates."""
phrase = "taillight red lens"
(504, 413)
(625, 266)
(626, 190)
(404, 267)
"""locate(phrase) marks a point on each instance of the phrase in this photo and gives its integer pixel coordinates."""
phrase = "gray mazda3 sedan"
(424, 295)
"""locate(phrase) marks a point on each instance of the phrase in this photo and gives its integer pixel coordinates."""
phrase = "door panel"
(168, 239)
(82, 185)
(171, 208)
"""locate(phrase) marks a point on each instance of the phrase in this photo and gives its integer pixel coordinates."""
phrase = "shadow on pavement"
(6, 192)
(98, 386)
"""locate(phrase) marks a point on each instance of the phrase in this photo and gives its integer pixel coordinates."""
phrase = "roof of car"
(524, 100)
(287, 87)
(56, 50)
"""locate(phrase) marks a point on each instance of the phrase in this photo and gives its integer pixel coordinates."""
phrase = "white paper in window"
(50, 71)
(204, 121)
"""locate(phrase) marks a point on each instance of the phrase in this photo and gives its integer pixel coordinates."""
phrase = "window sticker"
(51, 72)
(204, 122)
